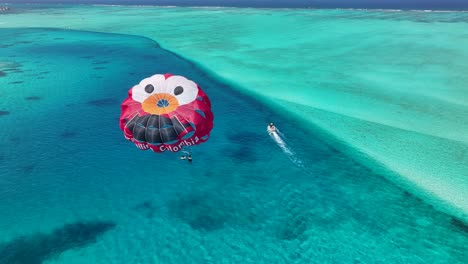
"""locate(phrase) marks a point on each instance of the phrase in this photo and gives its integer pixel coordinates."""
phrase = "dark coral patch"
(241, 153)
(294, 228)
(99, 62)
(16, 82)
(244, 148)
(4, 113)
(201, 212)
(23, 42)
(147, 208)
(2, 74)
(28, 168)
(104, 102)
(210, 211)
(459, 224)
(10, 69)
(38, 248)
(68, 134)
(33, 98)
(246, 137)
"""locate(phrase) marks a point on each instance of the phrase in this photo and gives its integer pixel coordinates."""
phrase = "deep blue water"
(73, 190)
(384, 4)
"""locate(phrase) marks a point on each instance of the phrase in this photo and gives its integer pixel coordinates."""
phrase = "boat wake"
(279, 139)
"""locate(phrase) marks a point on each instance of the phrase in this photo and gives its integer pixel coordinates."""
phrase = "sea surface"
(370, 164)
(382, 4)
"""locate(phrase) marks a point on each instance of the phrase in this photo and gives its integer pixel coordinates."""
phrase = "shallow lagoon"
(69, 178)
(391, 85)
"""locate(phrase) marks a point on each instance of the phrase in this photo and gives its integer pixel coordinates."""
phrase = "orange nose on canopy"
(158, 104)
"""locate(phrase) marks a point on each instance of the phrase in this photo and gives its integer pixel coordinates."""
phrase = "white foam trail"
(278, 138)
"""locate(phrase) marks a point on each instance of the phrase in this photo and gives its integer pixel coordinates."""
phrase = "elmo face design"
(166, 112)
(160, 96)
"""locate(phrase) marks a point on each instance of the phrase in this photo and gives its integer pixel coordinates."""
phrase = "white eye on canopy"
(182, 88)
(148, 86)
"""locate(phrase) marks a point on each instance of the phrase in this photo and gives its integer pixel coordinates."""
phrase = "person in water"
(186, 155)
(271, 128)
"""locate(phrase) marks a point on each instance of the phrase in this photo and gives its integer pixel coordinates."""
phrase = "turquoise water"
(73, 190)
(389, 85)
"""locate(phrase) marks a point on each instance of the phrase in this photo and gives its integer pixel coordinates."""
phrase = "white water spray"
(279, 138)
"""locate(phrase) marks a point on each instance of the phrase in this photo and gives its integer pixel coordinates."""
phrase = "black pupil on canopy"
(149, 88)
(178, 90)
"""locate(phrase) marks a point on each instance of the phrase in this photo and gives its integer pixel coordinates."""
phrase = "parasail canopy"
(166, 112)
